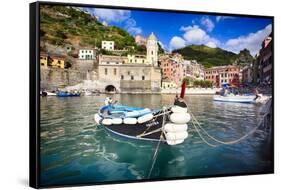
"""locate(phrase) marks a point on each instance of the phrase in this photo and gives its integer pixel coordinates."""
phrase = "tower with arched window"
(152, 50)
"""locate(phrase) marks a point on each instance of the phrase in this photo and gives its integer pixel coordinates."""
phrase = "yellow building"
(55, 61)
(44, 59)
(139, 59)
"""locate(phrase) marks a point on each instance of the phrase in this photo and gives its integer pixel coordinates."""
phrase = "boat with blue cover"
(67, 94)
(168, 124)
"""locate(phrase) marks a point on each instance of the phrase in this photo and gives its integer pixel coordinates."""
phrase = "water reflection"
(75, 150)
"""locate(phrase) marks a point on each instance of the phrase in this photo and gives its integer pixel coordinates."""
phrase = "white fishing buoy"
(174, 142)
(176, 136)
(117, 121)
(178, 109)
(180, 118)
(107, 122)
(98, 118)
(171, 127)
(145, 118)
(130, 121)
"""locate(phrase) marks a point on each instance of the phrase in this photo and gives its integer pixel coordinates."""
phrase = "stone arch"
(110, 88)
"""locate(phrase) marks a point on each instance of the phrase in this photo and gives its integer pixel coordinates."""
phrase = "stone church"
(129, 75)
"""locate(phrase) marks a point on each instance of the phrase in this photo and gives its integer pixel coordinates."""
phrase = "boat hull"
(235, 99)
(135, 131)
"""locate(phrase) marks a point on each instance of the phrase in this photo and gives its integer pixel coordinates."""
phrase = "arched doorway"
(110, 88)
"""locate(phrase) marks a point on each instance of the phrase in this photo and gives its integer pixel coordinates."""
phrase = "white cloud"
(111, 15)
(176, 42)
(208, 23)
(211, 44)
(132, 28)
(195, 35)
(251, 41)
(220, 18)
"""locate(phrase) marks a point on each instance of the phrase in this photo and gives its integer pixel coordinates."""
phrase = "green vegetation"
(62, 25)
(210, 57)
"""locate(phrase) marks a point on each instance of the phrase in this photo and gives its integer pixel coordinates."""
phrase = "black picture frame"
(34, 91)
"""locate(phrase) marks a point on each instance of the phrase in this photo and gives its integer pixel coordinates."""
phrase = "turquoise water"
(75, 150)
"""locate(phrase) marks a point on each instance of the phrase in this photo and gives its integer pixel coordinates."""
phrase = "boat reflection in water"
(74, 149)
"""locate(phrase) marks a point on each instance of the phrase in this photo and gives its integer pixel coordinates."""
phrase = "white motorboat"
(235, 98)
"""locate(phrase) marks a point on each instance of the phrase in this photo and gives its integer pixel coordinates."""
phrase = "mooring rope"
(217, 140)
(157, 148)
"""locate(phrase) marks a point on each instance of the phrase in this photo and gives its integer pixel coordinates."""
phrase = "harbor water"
(74, 149)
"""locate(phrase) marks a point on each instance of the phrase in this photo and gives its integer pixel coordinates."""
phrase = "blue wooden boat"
(67, 94)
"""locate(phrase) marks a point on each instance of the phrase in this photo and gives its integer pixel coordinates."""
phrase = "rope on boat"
(149, 133)
(217, 140)
(157, 130)
(157, 148)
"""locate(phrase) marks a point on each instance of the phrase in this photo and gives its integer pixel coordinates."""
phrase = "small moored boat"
(235, 98)
(67, 94)
(168, 124)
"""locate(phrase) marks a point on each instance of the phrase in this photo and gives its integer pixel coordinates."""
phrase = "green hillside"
(212, 56)
(61, 25)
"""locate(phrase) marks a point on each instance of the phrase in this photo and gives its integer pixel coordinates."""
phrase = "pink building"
(223, 74)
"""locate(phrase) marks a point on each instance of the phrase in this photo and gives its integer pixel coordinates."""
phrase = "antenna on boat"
(182, 90)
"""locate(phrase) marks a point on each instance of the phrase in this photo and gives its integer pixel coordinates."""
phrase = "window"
(107, 62)
(59, 61)
(115, 71)
(129, 73)
(132, 77)
(122, 77)
(82, 56)
(151, 52)
(105, 71)
(131, 60)
(82, 51)
(143, 77)
(143, 61)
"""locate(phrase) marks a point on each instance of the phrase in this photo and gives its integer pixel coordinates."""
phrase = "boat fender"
(171, 127)
(98, 118)
(106, 121)
(176, 136)
(174, 142)
(178, 109)
(117, 121)
(145, 118)
(130, 121)
(180, 118)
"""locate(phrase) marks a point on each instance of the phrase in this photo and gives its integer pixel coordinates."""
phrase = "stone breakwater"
(52, 79)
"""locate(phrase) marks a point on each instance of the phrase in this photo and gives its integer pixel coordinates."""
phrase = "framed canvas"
(126, 94)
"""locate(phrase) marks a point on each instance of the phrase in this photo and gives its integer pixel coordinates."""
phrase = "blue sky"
(175, 30)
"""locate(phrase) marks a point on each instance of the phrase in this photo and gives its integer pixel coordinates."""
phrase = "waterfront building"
(266, 60)
(223, 75)
(247, 74)
(139, 59)
(137, 73)
(112, 60)
(107, 45)
(168, 84)
(87, 54)
(140, 40)
(193, 70)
